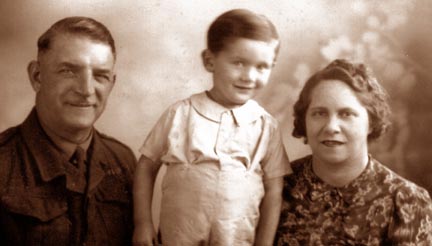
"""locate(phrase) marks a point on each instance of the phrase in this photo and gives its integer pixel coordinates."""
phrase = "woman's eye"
(347, 114)
(319, 113)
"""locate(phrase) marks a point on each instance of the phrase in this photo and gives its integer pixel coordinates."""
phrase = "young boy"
(224, 154)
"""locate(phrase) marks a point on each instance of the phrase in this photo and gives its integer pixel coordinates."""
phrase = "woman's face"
(337, 124)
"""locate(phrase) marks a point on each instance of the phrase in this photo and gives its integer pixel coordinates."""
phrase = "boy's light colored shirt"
(216, 162)
(198, 130)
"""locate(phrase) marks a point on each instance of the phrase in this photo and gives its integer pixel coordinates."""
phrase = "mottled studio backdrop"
(159, 45)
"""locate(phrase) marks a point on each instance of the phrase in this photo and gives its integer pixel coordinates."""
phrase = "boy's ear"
(33, 71)
(207, 59)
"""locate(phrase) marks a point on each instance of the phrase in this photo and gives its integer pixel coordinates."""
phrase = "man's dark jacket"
(35, 207)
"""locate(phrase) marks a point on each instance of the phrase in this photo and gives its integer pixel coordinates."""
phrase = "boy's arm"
(144, 179)
(269, 212)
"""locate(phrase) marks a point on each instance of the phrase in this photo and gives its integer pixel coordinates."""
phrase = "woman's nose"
(332, 125)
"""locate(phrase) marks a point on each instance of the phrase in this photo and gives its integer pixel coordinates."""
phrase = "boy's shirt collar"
(245, 114)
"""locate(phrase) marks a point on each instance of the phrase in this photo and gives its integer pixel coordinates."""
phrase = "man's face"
(73, 80)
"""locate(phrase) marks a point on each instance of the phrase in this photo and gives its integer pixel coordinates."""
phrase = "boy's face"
(240, 70)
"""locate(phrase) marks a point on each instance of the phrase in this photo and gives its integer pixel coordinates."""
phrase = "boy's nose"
(249, 74)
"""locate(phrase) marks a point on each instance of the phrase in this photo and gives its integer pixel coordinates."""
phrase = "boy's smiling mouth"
(244, 87)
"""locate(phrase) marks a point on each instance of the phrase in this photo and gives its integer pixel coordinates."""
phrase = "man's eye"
(66, 71)
(238, 63)
(102, 77)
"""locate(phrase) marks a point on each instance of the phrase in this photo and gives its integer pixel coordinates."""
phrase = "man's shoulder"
(7, 154)
(117, 147)
(114, 143)
(7, 135)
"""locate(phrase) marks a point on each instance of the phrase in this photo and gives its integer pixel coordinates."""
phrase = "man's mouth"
(82, 104)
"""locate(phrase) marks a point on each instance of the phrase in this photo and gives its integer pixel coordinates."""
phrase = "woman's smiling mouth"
(332, 143)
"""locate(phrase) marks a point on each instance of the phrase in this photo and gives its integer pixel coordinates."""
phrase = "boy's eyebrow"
(237, 57)
(269, 64)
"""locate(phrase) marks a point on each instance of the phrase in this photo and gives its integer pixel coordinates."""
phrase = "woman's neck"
(340, 174)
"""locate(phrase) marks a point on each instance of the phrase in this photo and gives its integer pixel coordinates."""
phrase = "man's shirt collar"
(50, 160)
(65, 146)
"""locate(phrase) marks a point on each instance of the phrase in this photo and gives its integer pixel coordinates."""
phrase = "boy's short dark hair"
(77, 25)
(365, 86)
(240, 23)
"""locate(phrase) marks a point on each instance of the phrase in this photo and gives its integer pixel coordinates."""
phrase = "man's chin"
(79, 124)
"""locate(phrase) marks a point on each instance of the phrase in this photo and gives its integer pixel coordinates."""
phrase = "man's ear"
(33, 71)
(114, 78)
(207, 59)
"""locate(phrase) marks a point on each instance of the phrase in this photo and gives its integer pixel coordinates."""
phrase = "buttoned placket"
(224, 136)
(78, 202)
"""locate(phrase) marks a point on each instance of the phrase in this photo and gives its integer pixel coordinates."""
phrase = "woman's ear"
(207, 59)
(33, 71)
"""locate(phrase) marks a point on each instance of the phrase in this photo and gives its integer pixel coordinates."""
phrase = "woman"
(341, 195)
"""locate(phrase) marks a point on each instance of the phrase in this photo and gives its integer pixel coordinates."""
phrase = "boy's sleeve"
(156, 143)
(276, 163)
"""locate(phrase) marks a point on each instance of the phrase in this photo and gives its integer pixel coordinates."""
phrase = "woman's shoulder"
(397, 185)
(412, 207)
(299, 164)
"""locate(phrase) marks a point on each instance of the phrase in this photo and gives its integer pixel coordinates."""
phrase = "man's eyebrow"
(76, 66)
(68, 64)
(102, 70)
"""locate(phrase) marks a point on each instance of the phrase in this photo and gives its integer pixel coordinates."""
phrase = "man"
(61, 181)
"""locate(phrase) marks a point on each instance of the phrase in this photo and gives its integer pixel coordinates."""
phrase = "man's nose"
(86, 84)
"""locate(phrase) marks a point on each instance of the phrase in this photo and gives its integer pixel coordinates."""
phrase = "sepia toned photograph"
(162, 122)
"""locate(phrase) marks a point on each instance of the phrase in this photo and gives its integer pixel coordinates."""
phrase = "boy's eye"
(262, 67)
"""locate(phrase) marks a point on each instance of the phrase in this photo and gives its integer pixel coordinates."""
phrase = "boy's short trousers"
(202, 205)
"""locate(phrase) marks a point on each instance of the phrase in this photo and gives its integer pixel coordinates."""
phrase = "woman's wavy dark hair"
(366, 87)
